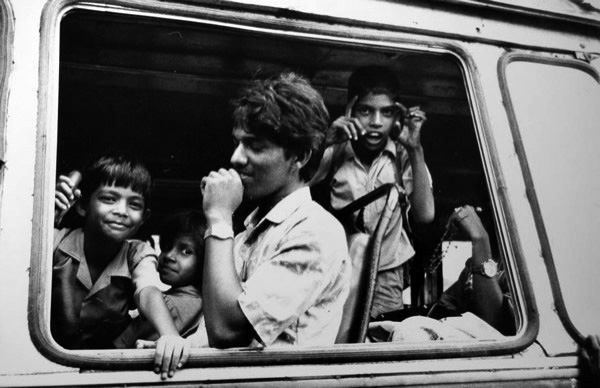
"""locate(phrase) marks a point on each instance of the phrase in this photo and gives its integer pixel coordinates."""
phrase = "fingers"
(415, 114)
(235, 175)
(159, 355)
(402, 108)
(143, 344)
(465, 211)
(349, 107)
(61, 201)
(350, 127)
(172, 352)
(162, 358)
(219, 176)
(347, 128)
(185, 354)
(75, 178)
(66, 192)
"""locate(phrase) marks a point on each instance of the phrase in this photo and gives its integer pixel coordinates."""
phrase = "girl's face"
(115, 213)
(179, 263)
(378, 114)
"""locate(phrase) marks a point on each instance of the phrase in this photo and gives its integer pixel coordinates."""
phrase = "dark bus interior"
(160, 89)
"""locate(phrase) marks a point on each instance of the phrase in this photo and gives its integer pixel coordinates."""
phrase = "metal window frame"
(302, 27)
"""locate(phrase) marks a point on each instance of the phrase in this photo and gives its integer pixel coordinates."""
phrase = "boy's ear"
(301, 160)
(80, 208)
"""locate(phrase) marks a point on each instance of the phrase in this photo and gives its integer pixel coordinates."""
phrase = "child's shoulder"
(136, 250)
(67, 237)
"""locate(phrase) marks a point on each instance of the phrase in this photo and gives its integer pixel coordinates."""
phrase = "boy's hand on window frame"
(172, 352)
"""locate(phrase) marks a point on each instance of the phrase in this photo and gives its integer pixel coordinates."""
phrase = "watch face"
(490, 267)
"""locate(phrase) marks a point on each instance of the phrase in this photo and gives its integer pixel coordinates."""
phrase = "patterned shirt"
(295, 272)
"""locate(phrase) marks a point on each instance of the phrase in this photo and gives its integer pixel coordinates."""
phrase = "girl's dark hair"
(117, 169)
(288, 111)
(188, 222)
(373, 79)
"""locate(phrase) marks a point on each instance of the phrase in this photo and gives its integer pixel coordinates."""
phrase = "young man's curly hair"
(288, 111)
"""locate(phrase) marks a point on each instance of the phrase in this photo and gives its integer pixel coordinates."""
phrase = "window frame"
(6, 60)
(264, 20)
(546, 250)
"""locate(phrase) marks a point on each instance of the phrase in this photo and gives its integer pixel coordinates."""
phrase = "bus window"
(160, 88)
(560, 138)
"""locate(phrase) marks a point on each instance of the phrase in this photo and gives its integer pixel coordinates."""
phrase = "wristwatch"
(488, 268)
(219, 231)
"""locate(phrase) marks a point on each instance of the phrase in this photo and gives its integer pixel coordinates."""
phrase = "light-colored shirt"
(352, 180)
(295, 272)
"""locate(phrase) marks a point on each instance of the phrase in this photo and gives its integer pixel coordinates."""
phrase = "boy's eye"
(254, 145)
(362, 110)
(107, 198)
(187, 251)
(136, 205)
(388, 112)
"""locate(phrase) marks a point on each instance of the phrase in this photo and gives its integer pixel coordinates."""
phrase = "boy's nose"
(120, 207)
(238, 158)
(376, 119)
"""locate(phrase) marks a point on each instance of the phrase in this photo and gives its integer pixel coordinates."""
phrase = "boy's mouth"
(117, 225)
(373, 137)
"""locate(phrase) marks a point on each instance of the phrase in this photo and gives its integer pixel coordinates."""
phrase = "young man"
(284, 280)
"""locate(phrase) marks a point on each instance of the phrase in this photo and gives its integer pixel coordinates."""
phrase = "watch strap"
(219, 231)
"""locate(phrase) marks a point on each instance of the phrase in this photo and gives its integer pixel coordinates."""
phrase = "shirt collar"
(391, 147)
(73, 246)
(184, 290)
(281, 211)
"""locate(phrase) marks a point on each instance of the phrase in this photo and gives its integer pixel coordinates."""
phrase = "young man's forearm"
(226, 324)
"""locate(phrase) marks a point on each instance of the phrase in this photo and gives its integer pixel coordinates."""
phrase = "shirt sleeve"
(453, 300)
(284, 286)
(143, 267)
(185, 311)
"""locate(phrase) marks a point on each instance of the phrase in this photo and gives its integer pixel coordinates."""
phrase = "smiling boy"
(283, 280)
(98, 272)
(376, 142)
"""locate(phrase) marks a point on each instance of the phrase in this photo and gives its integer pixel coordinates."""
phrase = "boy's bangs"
(134, 177)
